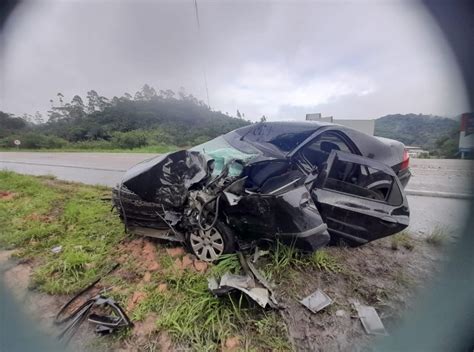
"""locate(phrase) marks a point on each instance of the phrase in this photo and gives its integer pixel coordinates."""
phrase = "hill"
(147, 119)
(437, 134)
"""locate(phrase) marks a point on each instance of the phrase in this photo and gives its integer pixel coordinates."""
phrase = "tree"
(60, 97)
(38, 118)
(263, 118)
(148, 93)
(238, 114)
(92, 101)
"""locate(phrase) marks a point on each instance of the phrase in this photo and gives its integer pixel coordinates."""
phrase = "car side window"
(362, 181)
(316, 152)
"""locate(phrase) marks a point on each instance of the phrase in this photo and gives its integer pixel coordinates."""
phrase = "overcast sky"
(281, 59)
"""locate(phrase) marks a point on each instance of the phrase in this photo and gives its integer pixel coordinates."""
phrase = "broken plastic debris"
(316, 301)
(57, 249)
(243, 283)
(370, 319)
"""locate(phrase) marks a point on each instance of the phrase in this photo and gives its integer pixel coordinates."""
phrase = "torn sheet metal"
(261, 280)
(316, 301)
(165, 180)
(370, 320)
(243, 283)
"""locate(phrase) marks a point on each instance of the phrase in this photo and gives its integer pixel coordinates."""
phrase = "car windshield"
(222, 153)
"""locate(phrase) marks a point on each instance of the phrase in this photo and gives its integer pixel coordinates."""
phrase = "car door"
(360, 199)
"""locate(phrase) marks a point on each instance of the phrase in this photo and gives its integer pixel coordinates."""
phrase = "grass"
(44, 213)
(197, 319)
(402, 239)
(324, 261)
(284, 260)
(437, 237)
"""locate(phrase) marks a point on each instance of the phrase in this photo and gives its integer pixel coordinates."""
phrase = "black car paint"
(358, 220)
(291, 215)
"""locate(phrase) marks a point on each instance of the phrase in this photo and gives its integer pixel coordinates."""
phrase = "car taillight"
(406, 160)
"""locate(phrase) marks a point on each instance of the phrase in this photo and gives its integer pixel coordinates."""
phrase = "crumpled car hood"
(166, 179)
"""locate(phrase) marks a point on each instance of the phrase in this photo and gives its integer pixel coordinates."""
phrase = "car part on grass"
(299, 183)
(316, 301)
(105, 324)
(370, 319)
(253, 284)
(244, 283)
(259, 277)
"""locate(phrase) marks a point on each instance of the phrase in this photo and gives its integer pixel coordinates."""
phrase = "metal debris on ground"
(104, 324)
(253, 284)
(243, 283)
(370, 319)
(316, 301)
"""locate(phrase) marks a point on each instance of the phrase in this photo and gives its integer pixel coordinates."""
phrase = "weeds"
(227, 263)
(403, 279)
(325, 261)
(402, 239)
(437, 237)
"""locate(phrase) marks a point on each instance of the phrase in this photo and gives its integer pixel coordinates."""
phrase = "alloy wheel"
(207, 245)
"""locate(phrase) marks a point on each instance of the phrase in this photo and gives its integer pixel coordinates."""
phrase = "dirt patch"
(39, 218)
(136, 298)
(144, 328)
(373, 274)
(6, 195)
(142, 252)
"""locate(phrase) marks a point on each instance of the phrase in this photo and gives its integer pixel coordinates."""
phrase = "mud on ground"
(374, 274)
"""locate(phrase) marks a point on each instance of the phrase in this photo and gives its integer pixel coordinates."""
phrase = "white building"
(365, 126)
(466, 136)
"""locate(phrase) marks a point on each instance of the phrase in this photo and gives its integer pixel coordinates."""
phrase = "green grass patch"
(402, 239)
(285, 259)
(197, 319)
(324, 261)
(44, 214)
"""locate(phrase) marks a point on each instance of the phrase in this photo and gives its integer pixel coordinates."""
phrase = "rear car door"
(360, 199)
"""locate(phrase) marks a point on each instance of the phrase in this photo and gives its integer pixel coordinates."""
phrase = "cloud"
(267, 86)
(280, 59)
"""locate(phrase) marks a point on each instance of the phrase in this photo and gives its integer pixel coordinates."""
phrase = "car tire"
(210, 245)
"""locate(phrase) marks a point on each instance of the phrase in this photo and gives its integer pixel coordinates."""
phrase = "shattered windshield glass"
(222, 153)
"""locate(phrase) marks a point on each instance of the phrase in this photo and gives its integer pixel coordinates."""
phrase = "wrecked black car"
(305, 184)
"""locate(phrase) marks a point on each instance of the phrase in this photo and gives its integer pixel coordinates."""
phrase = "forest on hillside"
(159, 121)
(149, 118)
(439, 135)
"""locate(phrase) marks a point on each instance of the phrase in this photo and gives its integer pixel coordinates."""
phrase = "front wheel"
(210, 245)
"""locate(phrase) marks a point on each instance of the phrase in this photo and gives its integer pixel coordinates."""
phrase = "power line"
(203, 59)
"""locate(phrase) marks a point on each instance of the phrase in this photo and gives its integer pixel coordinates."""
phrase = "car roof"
(274, 138)
(276, 128)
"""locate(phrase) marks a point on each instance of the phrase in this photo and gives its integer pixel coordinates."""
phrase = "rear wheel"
(210, 245)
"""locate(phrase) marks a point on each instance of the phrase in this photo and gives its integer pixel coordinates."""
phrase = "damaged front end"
(218, 199)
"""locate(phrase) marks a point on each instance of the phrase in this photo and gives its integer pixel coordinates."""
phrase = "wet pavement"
(427, 213)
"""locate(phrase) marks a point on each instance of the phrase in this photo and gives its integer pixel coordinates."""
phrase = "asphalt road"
(429, 175)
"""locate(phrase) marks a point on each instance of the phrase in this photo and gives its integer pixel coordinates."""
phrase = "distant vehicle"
(305, 183)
